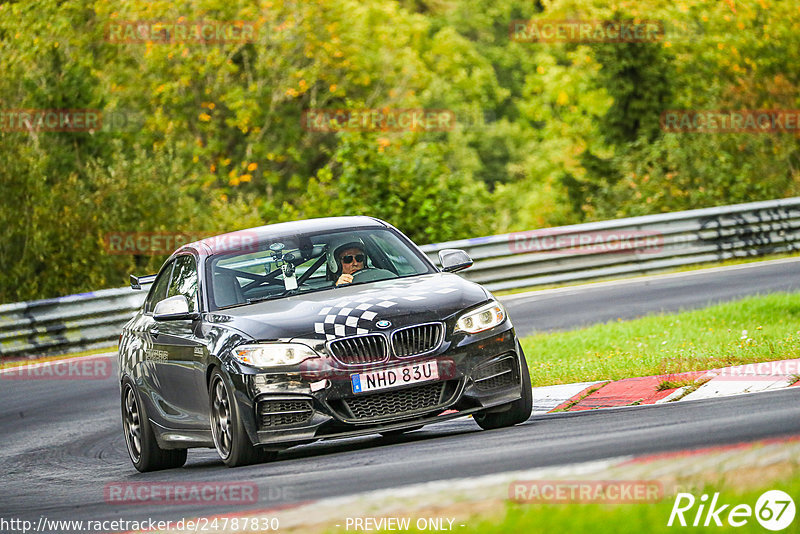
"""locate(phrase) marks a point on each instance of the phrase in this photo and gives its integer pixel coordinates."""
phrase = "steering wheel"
(372, 274)
(360, 271)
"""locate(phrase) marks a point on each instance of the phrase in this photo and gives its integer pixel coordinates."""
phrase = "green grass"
(734, 488)
(664, 344)
(626, 518)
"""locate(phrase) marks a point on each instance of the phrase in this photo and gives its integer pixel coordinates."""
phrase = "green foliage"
(546, 133)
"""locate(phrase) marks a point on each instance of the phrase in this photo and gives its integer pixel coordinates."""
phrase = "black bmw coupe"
(257, 340)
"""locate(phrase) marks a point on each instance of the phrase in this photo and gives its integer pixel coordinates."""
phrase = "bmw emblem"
(383, 323)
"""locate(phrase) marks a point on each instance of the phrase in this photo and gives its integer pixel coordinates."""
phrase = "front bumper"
(476, 372)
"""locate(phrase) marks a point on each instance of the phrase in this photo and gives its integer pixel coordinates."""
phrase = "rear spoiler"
(138, 281)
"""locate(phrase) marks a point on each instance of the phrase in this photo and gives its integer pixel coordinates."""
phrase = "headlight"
(272, 354)
(483, 318)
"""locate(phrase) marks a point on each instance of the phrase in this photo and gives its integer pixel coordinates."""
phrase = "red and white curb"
(727, 381)
(748, 378)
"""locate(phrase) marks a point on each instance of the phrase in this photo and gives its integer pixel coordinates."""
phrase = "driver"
(351, 259)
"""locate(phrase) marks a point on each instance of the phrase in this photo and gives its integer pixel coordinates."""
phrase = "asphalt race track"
(569, 308)
(61, 441)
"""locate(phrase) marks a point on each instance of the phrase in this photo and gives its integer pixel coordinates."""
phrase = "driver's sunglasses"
(349, 258)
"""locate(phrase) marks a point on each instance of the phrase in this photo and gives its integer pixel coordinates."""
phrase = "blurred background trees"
(546, 133)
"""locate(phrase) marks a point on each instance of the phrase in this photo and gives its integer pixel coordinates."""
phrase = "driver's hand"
(345, 279)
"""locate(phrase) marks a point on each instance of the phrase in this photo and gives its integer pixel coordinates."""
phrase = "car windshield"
(295, 264)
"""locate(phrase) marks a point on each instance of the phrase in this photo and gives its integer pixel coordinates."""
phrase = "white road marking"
(544, 294)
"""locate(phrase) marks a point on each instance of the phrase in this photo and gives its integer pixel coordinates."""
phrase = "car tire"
(140, 440)
(230, 438)
(518, 411)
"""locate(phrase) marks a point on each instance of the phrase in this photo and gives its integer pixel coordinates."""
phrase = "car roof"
(210, 246)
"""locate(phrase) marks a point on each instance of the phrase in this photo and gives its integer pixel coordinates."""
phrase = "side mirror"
(453, 260)
(174, 309)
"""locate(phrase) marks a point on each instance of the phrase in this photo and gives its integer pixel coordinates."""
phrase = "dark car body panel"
(170, 362)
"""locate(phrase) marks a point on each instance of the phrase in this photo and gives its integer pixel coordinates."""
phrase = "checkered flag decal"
(357, 314)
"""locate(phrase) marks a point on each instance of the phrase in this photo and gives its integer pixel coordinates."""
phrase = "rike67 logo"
(774, 510)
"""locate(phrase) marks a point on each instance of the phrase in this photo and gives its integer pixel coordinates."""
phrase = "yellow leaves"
(236, 180)
(195, 159)
(205, 117)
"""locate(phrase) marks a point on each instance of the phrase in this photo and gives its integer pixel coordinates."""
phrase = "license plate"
(394, 377)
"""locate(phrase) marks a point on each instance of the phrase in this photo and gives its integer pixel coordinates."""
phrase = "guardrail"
(510, 261)
(635, 245)
(64, 324)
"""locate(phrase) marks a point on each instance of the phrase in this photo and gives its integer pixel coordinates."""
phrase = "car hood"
(356, 309)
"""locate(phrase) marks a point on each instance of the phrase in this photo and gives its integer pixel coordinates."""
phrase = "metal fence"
(635, 245)
(603, 249)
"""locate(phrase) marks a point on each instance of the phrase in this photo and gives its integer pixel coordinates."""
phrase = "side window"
(184, 280)
(159, 290)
